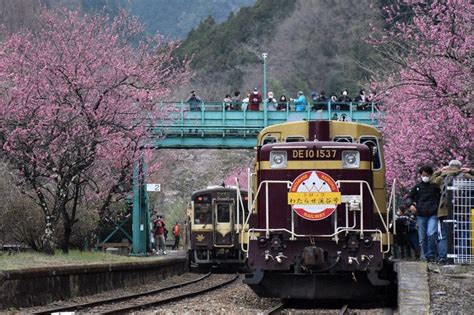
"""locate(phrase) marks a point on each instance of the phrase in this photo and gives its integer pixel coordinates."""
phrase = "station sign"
(314, 195)
(153, 187)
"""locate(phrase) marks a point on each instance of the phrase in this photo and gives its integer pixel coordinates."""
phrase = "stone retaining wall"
(39, 286)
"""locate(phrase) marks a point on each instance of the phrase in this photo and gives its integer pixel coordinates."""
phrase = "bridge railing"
(219, 115)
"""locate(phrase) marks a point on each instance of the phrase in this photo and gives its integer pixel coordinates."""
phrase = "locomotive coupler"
(313, 256)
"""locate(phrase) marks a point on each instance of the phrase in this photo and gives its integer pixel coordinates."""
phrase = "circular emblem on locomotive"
(314, 195)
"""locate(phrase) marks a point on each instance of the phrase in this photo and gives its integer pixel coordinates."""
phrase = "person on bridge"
(194, 101)
(282, 103)
(255, 100)
(344, 98)
(444, 178)
(176, 235)
(423, 200)
(236, 101)
(300, 102)
(160, 235)
(271, 102)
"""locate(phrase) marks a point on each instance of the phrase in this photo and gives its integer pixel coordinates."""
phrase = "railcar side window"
(343, 139)
(295, 139)
(373, 145)
(223, 213)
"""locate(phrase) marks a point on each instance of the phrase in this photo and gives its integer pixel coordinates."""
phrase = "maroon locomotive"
(319, 224)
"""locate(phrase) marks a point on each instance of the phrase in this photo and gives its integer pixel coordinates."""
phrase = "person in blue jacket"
(300, 102)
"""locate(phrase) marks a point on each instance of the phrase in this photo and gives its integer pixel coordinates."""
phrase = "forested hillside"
(176, 18)
(311, 45)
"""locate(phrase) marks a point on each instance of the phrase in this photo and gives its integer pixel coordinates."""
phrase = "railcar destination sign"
(314, 195)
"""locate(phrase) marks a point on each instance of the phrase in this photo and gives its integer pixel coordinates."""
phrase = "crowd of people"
(422, 225)
(254, 101)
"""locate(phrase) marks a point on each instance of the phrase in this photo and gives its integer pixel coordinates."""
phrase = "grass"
(75, 257)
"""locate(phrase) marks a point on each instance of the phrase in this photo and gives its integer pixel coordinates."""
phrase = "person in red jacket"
(254, 100)
(176, 235)
(160, 235)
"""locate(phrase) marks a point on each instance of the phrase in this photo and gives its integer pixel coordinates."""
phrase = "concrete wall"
(39, 286)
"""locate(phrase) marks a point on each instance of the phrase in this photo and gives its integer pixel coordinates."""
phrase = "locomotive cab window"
(223, 213)
(269, 139)
(373, 145)
(295, 139)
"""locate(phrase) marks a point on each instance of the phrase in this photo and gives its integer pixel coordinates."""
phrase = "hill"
(311, 45)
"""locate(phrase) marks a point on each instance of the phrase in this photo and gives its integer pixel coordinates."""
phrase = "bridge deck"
(212, 126)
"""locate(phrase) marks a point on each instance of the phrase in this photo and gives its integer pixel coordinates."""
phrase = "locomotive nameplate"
(314, 198)
(314, 195)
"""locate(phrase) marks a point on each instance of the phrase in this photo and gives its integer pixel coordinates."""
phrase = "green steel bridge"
(211, 126)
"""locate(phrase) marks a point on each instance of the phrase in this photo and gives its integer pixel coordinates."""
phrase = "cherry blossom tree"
(77, 105)
(427, 85)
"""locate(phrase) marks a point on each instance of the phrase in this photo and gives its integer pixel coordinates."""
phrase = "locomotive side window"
(373, 145)
(223, 213)
(347, 139)
(295, 139)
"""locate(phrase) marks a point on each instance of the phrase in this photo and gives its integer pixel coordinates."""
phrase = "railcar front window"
(223, 213)
(202, 214)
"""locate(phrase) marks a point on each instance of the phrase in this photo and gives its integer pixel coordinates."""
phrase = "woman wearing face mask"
(423, 200)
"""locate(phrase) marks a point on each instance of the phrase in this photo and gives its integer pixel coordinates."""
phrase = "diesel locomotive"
(319, 222)
(216, 227)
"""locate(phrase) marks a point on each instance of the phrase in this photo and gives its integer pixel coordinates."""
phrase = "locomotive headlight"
(278, 159)
(350, 159)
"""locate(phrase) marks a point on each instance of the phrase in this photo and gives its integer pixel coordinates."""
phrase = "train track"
(132, 303)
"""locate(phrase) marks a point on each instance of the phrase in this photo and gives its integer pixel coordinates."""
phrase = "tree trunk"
(66, 237)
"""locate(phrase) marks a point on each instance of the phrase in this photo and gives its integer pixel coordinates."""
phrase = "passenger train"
(216, 227)
(318, 226)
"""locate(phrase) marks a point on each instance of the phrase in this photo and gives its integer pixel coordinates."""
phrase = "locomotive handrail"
(392, 201)
(338, 230)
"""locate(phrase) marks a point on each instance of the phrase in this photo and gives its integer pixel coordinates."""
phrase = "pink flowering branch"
(428, 87)
(77, 102)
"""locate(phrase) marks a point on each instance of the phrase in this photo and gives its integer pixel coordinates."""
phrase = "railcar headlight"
(278, 159)
(350, 159)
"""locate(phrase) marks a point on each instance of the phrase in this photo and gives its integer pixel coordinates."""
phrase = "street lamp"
(264, 55)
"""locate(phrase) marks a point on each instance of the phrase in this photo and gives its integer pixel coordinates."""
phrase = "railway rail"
(134, 301)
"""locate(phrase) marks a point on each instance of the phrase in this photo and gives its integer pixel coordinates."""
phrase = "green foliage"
(220, 48)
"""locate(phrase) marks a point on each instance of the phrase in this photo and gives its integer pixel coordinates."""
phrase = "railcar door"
(224, 223)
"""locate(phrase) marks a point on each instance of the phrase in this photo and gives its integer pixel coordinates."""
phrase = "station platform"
(39, 286)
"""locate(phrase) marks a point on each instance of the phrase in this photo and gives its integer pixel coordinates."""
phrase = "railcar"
(320, 226)
(216, 227)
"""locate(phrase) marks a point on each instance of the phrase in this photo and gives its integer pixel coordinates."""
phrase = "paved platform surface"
(413, 288)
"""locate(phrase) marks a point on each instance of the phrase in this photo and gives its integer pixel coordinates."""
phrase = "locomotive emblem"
(200, 238)
(314, 195)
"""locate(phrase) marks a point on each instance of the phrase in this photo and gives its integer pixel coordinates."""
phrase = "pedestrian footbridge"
(212, 126)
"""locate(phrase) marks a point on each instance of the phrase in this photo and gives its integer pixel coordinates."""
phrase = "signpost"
(153, 187)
